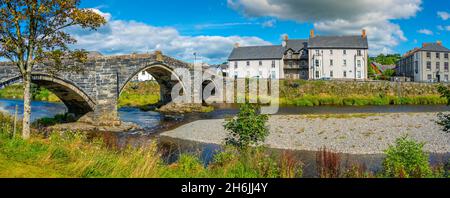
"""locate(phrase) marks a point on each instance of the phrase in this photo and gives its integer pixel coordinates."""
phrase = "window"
(143, 73)
(260, 74)
(236, 65)
(446, 66)
(429, 65)
(429, 77)
(303, 63)
(446, 55)
(345, 52)
(345, 62)
(331, 62)
(274, 75)
(345, 74)
(317, 74)
(438, 65)
(428, 54)
(235, 75)
(317, 63)
(248, 74)
(359, 74)
(359, 53)
(359, 63)
(446, 78)
(416, 66)
(331, 74)
(248, 63)
(260, 63)
(317, 53)
(331, 52)
(273, 64)
(438, 55)
(291, 64)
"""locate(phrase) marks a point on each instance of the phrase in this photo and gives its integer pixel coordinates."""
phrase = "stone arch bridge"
(93, 94)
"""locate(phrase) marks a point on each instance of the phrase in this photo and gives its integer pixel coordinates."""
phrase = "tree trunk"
(26, 106)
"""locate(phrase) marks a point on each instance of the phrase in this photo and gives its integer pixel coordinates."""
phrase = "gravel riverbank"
(346, 133)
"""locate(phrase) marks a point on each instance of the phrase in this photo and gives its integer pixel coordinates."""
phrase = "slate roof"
(257, 53)
(297, 44)
(341, 42)
(434, 47)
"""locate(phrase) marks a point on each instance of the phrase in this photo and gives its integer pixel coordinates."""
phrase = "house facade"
(319, 57)
(338, 57)
(256, 62)
(427, 64)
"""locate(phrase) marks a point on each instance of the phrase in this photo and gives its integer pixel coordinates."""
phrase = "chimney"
(424, 45)
(236, 45)
(439, 43)
(364, 33)
(285, 40)
(311, 34)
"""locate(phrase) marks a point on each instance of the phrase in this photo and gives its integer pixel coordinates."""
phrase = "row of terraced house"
(318, 57)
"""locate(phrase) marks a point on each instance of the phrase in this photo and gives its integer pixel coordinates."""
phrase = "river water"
(154, 123)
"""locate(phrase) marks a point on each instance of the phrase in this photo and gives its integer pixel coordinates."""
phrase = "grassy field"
(39, 93)
(140, 94)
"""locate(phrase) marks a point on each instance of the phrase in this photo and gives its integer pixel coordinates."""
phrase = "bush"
(406, 160)
(248, 128)
(444, 121)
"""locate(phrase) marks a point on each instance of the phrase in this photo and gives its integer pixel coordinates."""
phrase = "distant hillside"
(390, 59)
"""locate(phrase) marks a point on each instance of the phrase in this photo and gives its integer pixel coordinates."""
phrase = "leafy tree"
(32, 33)
(389, 73)
(444, 119)
(248, 128)
(407, 160)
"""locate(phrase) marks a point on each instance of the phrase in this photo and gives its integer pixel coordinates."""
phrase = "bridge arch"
(162, 73)
(75, 99)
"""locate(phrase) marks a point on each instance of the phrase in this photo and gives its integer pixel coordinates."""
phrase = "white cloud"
(340, 17)
(425, 31)
(269, 23)
(125, 37)
(443, 28)
(444, 15)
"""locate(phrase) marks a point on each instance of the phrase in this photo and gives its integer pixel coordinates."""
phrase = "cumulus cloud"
(340, 17)
(425, 31)
(125, 37)
(444, 15)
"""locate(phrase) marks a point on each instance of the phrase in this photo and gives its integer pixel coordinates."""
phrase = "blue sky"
(211, 27)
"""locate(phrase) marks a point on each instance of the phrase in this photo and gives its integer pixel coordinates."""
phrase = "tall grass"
(74, 155)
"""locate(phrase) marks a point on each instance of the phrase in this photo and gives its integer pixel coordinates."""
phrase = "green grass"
(140, 94)
(39, 93)
(72, 155)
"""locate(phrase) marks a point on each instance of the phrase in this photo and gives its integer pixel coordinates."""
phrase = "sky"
(210, 28)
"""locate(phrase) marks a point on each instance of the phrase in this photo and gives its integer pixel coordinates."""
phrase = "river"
(154, 123)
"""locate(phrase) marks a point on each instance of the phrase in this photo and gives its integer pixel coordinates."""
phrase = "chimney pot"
(236, 45)
(285, 37)
(424, 45)
(311, 33)
(439, 43)
(364, 33)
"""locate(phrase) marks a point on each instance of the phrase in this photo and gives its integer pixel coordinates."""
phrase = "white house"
(256, 62)
(143, 76)
(338, 57)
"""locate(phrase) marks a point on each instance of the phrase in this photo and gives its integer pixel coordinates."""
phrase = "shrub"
(248, 128)
(406, 160)
(328, 164)
(444, 121)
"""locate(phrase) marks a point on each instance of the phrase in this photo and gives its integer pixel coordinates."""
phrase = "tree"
(32, 32)
(248, 128)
